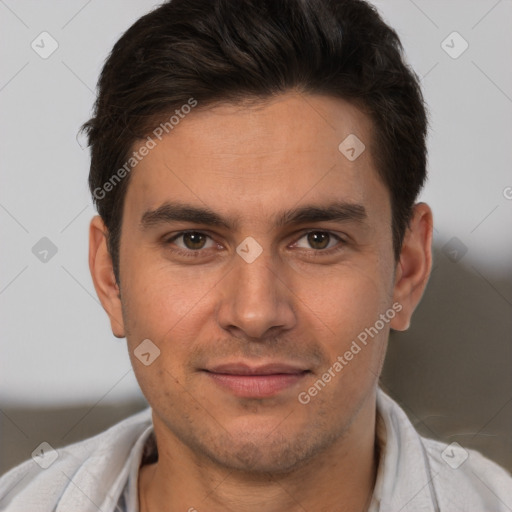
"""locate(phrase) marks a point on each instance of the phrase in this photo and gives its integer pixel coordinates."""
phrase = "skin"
(292, 304)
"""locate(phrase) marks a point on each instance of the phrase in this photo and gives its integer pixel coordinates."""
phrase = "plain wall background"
(452, 371)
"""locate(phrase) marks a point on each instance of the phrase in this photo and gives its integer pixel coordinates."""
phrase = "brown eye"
(191, 241)
(318, 239)
(194, 240)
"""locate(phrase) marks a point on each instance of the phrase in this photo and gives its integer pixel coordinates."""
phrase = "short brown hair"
(233, 50)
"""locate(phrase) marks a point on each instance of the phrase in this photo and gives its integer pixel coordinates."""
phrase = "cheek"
(344, 300)
(342, 315)
(162, 306)
(173, 308)
(162, 297)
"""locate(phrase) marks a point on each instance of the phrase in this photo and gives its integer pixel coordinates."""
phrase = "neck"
(342, 476)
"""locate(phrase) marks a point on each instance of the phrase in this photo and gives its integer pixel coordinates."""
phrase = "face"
(252, 301)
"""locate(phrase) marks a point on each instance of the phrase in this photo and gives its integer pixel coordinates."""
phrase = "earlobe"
(102, 273)
(413, 269)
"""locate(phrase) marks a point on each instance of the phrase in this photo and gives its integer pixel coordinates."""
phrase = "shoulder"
(433, 472)
(466, 477)
(78, 474)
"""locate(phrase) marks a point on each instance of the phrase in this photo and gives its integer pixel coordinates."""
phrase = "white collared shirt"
(415, 474)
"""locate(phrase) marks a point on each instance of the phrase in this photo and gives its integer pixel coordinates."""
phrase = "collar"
(404, 476)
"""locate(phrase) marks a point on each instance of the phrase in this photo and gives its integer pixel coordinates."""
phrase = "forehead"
(259, 159)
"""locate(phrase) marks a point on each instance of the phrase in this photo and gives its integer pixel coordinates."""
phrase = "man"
(255, 165)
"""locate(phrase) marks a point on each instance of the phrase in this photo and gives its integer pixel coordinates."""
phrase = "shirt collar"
(404, 477)
(98, 481)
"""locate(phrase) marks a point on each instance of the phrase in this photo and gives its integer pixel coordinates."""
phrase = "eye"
(191, 241)
(322, 241)
(194, 243)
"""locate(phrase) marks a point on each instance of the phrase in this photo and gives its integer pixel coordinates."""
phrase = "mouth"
(247, 381)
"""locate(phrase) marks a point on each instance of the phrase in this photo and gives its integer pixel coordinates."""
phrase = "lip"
(265, 369)
(261, 381)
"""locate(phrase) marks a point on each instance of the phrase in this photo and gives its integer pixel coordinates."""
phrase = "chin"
(270, 453)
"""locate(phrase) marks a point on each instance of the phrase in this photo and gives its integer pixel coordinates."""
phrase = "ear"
(102, 272)
(413, 269)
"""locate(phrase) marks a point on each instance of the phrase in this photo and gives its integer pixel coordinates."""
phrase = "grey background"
(63, 376)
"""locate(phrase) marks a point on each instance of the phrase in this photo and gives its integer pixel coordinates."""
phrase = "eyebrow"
(177, 212)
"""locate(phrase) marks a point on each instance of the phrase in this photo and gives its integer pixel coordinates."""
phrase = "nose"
(256, 300)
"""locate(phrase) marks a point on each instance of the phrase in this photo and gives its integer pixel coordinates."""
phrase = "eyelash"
(190, 253)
